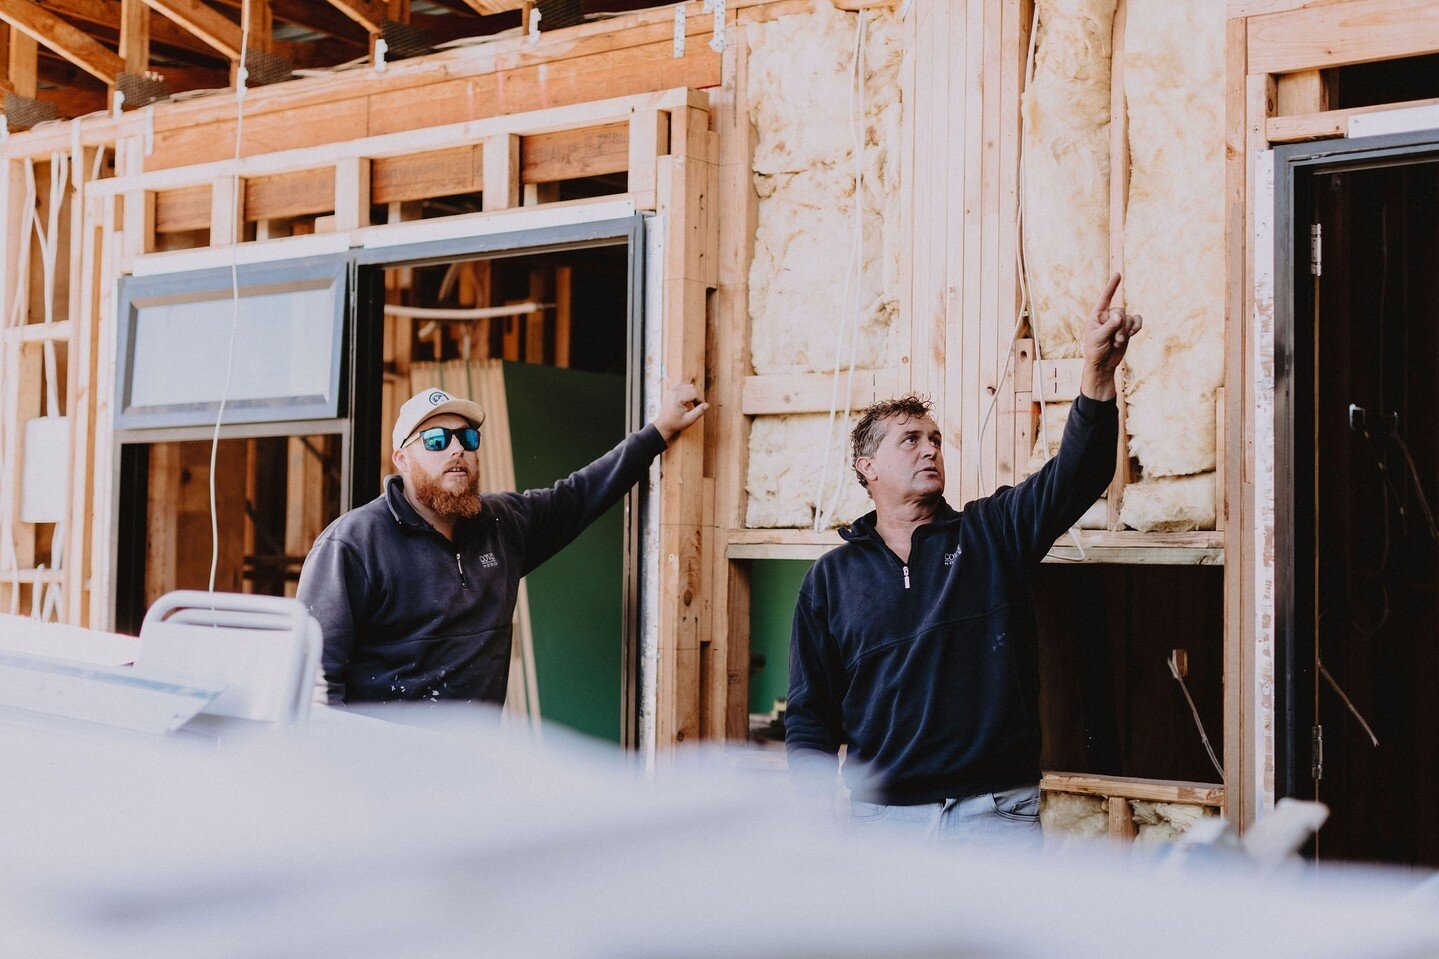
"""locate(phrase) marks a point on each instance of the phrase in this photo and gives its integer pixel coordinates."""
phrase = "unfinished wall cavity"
(1165, 821)
(1174, 256)
(1068, 817)
(1065, 817)
(818, 298)
(1066, 170)
(1172, 229)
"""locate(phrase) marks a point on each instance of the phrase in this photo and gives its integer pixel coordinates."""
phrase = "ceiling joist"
(104, 18)
(367, 13)
(209, 25)
(68, 41)
(488, 7)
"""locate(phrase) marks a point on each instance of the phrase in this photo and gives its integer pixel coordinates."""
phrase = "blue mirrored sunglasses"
(437, 438)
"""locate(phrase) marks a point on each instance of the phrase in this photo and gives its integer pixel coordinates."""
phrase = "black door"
(1361, 680)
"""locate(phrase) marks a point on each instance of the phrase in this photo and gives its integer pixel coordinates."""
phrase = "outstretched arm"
(1105, 343)
(1036, 512)
(549, 519)
(680, 409)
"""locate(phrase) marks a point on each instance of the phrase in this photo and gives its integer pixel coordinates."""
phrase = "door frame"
(361, 378)
(1295, 167)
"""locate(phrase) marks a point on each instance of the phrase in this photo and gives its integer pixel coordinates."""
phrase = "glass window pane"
(285, 341)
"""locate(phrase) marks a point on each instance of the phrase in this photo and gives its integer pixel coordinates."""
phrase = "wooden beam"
(257, 17)
(491, 7)
(204, 22)
(1118, 205)
(568, 154)
(352, 194)
(68, 41)
(367, 13)
(649, 139)
(1147, 790)
(1333, 123)
(285, 195)
(313, 15)
(22, 67)
(1307, 91)
(546, 157)
(501, 172)
(1253, 8)
(135, 36)
(814, 392)
(1359, 31)
(564, 283)
(73, 102)
(1121, 820)
(225, 227)
(108, 14)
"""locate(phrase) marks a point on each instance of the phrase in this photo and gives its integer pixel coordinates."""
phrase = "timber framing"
(508, 118)
(64, 39)
(1281, 56)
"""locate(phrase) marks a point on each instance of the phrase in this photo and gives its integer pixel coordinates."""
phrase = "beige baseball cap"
(428, 403)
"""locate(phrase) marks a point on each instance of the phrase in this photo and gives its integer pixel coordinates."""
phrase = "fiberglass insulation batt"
(802, 287)
(1174, 256)
(1173, 229)
(1066, 170)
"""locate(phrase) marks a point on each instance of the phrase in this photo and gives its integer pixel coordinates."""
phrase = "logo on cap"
(438, 397)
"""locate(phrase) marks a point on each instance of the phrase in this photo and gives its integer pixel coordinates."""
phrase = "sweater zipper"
(461, 568)
(905, 569)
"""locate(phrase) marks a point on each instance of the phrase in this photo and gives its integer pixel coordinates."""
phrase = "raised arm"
(1038, 511)
(549, 519)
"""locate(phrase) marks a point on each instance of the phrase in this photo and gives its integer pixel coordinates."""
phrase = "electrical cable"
(1194, 710)
(1324, 671)
(1026, 307)
(22, 296)
(851, 281)
(45, 598)
(240, 78)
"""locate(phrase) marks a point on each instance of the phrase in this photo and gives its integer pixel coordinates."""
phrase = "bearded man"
(415, 591)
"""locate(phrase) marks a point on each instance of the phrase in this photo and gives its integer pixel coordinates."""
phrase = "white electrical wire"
(1194, 710)
(241, 76)
(853, 282)
(46, 597)
(22, 297)
(1026, 307)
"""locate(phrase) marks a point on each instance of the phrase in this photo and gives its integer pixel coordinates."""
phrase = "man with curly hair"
(914, 643)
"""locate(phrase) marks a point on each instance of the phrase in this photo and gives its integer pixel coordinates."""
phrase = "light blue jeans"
(1009, 817)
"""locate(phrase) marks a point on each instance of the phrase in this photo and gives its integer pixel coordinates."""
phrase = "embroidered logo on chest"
(951, 558)
(488, 561)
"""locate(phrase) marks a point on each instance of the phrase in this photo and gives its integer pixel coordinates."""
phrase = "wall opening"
(543, 342)
(1359, 659)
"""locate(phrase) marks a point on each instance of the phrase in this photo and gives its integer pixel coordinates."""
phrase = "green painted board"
(561, 420)
(773, 589)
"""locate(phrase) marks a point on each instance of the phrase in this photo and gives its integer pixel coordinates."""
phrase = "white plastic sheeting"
(365, 839)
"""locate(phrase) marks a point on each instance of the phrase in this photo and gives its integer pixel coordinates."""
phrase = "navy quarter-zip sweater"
(929, 670)
(410, 615)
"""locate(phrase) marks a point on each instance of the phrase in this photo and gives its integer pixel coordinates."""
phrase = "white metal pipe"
(469, 313)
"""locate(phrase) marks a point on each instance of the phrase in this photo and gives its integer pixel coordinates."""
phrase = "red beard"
(444, 502)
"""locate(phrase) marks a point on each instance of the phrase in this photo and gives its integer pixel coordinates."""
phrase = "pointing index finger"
(1108, 294)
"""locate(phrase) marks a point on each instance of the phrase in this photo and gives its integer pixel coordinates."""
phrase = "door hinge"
(1317, 752)
(1316, 249)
